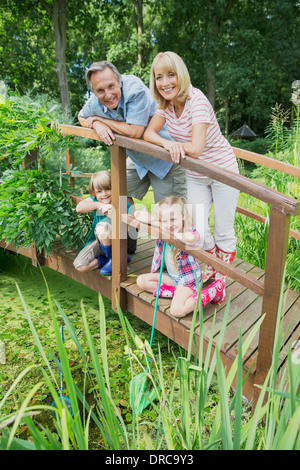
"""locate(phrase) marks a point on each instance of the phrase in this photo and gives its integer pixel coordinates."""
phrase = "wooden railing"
(282, 207)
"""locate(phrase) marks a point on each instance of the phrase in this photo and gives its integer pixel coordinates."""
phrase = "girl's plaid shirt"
(187, 265)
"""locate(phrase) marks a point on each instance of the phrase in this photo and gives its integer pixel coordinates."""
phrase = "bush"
(36, 207)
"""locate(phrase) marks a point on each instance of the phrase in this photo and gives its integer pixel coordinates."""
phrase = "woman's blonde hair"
(170, 62)
(179, 204)
(99, 180)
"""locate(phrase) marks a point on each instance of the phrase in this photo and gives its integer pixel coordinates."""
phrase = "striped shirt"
(198, 109)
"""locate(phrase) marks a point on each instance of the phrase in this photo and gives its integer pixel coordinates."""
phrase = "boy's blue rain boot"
(102, 260)
(107, 268)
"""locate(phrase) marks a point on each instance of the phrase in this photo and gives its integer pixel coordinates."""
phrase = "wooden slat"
(70, 163)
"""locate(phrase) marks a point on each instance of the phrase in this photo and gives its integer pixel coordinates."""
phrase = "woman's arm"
(195, 147)
(151, 135)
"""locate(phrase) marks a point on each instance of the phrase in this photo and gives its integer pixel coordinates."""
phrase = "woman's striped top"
(198, 109)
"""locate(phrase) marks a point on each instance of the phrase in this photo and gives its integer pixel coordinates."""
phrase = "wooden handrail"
(259, 191)
(267, 162)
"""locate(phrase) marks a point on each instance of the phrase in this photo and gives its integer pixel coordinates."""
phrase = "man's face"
(107, 88)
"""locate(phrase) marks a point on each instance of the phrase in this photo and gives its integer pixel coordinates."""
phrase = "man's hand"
(105, 133)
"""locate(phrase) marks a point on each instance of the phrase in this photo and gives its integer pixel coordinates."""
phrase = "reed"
(278, 405)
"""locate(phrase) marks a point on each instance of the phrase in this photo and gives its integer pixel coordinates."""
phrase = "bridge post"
(119, 239)
(274, 277)
(70, 162)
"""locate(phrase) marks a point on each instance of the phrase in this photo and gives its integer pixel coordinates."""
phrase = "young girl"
(183, 271)
(97, 252)
(192, 123)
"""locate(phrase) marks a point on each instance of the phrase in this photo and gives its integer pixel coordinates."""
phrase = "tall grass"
(281, 411)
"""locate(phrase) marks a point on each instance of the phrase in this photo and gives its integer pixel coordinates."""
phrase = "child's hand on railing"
(105, 209)
(143, 216)
(186, 237)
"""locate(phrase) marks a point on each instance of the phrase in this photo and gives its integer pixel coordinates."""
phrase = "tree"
(240, 53)
(57, 12)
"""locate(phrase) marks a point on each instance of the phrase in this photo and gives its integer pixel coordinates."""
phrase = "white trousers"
(202, 193)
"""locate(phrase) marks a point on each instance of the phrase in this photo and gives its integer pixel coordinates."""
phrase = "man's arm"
(106, 127)
(105, 133)
(121, 127)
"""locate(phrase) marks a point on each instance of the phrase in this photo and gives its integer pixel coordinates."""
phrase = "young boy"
(97, 250)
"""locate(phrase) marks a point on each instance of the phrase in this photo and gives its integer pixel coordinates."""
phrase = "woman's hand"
(176, 150)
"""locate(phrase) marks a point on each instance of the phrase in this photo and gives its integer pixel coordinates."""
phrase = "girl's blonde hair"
(99, 180)
(179, 204)
(170, 62)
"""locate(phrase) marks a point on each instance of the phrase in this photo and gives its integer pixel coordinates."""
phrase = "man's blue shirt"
(137, 106)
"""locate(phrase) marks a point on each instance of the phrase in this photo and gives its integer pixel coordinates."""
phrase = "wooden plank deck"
(245, 306)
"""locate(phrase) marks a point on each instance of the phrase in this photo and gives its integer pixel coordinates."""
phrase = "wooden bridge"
(253, 291)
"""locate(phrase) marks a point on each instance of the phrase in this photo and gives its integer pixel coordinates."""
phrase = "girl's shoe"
(209, 271)
(220, 291)
(165, 291)
(212, 294)
(227, 257)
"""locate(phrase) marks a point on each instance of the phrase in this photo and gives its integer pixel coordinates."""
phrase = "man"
(122, 104)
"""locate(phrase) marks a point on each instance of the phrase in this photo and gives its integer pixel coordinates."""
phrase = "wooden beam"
(37, 259)
(64, 265)
(274, 277)
(268, 162)
(119, 237)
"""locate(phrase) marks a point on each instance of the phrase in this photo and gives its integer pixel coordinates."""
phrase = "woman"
(192, 123)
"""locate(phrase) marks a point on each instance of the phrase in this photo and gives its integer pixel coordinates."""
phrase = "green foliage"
(259, 145)
(36, 207)
(27, 124)
(229, 430)
(240, 51)
(35, 204)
